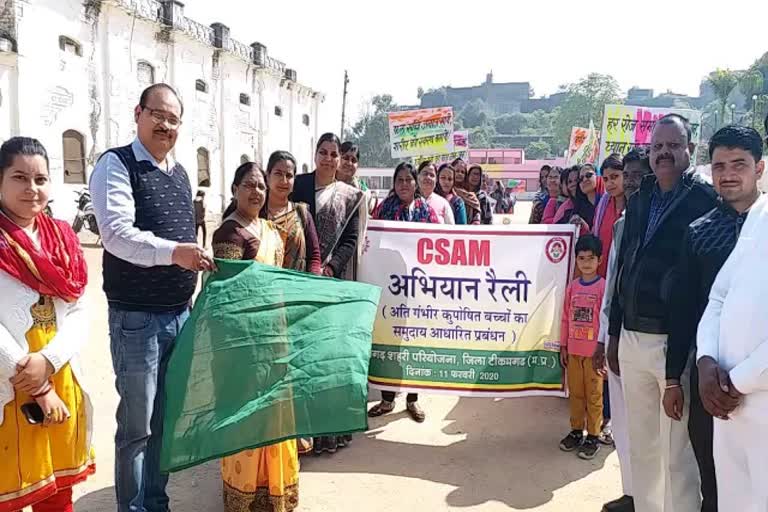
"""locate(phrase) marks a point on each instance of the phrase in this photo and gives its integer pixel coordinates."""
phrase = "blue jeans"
(141, 343)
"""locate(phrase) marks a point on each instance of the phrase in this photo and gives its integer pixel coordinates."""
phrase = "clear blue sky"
(395, 46)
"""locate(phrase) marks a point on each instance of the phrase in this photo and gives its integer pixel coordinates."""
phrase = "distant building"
(502, 98)
(71, 74)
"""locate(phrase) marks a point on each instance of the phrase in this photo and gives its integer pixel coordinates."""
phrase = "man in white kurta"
(732, 356)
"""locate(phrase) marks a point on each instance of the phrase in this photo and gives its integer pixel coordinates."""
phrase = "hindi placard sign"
(626, 127)
(459, 315)
(460, 150)
(421, 132)
(584, 145)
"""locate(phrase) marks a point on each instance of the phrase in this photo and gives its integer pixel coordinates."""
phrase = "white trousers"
(665, 476)
(620, 430)
(741, 461)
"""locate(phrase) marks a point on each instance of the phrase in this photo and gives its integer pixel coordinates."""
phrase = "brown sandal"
(416, 412)
(381, 408)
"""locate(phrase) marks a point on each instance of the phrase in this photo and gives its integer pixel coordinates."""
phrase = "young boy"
(578, 335)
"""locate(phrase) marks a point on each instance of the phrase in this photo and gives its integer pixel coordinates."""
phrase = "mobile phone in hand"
(33, 412)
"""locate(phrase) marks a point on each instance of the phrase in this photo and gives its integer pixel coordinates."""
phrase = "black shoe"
(589, 448)
(623, 504)
(572, 441)
(317, 445)
(331, 445)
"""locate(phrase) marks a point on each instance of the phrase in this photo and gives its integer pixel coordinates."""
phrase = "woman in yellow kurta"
(264, 479)
(45, 415)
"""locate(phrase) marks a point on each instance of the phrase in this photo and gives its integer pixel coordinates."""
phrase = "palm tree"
(723, 82)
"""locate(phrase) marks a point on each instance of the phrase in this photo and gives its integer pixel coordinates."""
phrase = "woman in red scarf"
(43, 407)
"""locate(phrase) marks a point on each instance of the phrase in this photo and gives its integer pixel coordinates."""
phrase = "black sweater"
(646, 268)
(708, 242)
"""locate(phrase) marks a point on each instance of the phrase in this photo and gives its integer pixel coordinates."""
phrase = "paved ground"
(471, 454)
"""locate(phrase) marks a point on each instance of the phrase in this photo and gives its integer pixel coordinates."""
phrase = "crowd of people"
(661, 334)
(663, 339)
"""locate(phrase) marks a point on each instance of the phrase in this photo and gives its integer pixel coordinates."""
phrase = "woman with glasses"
(580, 211)
(336, 209)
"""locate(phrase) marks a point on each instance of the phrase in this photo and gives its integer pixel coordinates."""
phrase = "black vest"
(164, 208)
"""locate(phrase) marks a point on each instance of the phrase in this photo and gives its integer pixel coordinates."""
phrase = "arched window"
(203, 168)
(74, 157)
(278, 112)
(245, 100)
(145, 74)
(305, 119)
(201, 86)
(244, 159)
(69, 45)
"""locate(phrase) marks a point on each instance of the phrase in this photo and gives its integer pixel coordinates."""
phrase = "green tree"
(511, 124)
(475, 114)
(482, 136)
(585, 100)
(723, 82)
(538, 150)
(751, 84)
(540, 122)
(371, 132)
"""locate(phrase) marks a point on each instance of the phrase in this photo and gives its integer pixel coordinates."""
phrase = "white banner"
(470, 311)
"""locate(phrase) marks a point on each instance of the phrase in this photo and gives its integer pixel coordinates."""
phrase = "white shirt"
(734, 328)
(115, 210)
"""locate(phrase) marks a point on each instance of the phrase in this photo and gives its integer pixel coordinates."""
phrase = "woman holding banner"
(335, 208)
(475, 180)
(404, 203)
(461, 188)
(445, 178)
(263, 479)
(427, 177)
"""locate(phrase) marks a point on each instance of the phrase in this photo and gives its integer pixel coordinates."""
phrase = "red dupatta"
(57, 268)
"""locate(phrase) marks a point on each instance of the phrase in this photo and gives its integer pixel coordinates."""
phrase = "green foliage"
(585, 100)
(371, 133)
(511, 124)
(538, 150)
(476, 114)
(540, 122)
(723, 82)
(482, 136)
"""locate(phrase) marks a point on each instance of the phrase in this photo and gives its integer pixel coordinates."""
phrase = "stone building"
(71, 72)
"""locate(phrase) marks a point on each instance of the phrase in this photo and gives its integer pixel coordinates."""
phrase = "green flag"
(267, 355)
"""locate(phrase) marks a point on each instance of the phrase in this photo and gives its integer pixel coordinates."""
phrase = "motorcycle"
(85, 216)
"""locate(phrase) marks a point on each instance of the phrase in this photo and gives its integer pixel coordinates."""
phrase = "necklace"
(274, 213)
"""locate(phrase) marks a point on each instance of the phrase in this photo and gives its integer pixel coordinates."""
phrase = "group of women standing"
(568, 196)
(309, 223)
